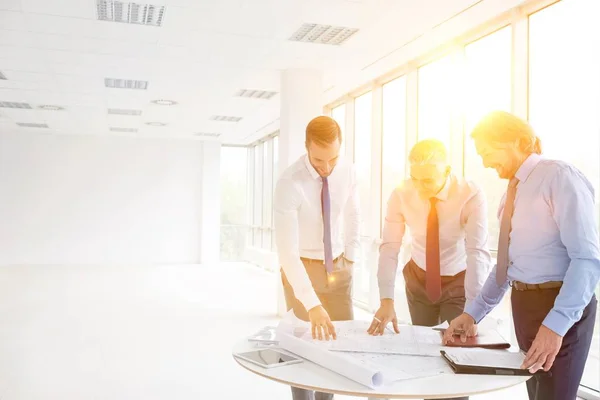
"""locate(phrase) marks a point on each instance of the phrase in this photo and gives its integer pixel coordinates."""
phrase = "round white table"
(308, 375)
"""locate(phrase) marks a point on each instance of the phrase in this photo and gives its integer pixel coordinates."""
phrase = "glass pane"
(258, 205)
(362, 147)
(436, 95)
(339, 115)
(267, 194)
(233, 202)
(275, 177)
(393, 145)
(362, 162)
(564, 100)
(487, 88)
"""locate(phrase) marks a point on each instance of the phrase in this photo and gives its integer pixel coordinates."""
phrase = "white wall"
(99, 200)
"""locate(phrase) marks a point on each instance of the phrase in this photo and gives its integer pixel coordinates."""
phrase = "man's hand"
(463, 325)
(543, 350)
(385, 314)
(320, 322)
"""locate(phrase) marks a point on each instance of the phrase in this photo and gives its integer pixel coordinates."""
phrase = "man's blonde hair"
(428, 151)
(504, 127)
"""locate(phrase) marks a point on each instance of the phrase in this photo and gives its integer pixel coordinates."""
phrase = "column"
(300, 101)
(210, 209)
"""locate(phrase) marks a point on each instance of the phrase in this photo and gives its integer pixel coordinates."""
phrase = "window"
(275, 177)
(258, 196)
(393, 148)
(339, 115)
(362, 162)
(436, 96)
(267, 194)
(564, 100)
(233, 202)
(487, 88)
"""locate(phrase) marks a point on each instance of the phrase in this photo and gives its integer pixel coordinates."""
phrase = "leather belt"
(520, 286)
(311, 260)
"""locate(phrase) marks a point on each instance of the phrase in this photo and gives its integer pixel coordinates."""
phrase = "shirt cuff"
(557, 322)
(350, 253)
(475, 310)
(309, 299)
(386, 292)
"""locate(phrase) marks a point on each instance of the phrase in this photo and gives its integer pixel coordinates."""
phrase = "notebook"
(486, 362)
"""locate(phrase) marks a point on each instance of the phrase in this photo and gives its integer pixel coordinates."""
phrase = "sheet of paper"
(441, 327)
(486, 358)
(352, 336)
(371, 369)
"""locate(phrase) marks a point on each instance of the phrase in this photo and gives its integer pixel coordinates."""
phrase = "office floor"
(136, 333)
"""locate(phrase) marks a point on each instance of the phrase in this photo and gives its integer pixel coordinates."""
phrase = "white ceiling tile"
(92, 28)
(10, 5)
(64, 8)
(20, 64)
(19, 96)
(11, 20)
(19, 85)
(18, 115)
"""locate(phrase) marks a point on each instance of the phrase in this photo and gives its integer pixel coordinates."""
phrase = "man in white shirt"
(317, 233)
(447, 217)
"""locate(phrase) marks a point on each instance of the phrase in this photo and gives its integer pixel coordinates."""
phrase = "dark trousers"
(425, 312)
(530, 307)
(336, 297)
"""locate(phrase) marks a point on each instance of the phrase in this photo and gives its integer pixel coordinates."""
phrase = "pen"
(386, 327)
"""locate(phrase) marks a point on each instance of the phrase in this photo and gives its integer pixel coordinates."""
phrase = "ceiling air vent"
(323, 34)
(125, 84)
(128, 130)
(225, 118)
(122, 111)
(11, 104)
(255, 94)
(208, 134)
(130, 13)
(32, 125)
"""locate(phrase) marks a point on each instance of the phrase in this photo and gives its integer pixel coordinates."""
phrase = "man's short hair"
(323, 130)
(428, 151)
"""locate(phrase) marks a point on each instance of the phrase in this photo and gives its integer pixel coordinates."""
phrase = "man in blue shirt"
(548, 252)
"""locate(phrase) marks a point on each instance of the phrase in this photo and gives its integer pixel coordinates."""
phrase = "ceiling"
(57, 53)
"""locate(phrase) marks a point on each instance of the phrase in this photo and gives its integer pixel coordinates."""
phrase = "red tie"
(433, 281)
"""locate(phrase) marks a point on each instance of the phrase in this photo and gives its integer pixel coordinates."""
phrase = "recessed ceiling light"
(156, 123)
(163, 102)
(130, 13)
(255, 94)
(125, 84)
(50, 107)
(117, 129)
(12, 104)
(123, 111)
(323, 34)
(225, 118)
(32, 125)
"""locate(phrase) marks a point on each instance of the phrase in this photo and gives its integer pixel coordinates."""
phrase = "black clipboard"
(484, 370)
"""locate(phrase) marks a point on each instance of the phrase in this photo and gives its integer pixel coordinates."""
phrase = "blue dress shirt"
(554, 237)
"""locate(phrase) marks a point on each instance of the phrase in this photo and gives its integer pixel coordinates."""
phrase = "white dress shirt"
(462, 214)
(299, 221)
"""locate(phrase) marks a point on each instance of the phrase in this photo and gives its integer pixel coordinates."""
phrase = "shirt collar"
(443, 194)
(311, 170)
(527, 167)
